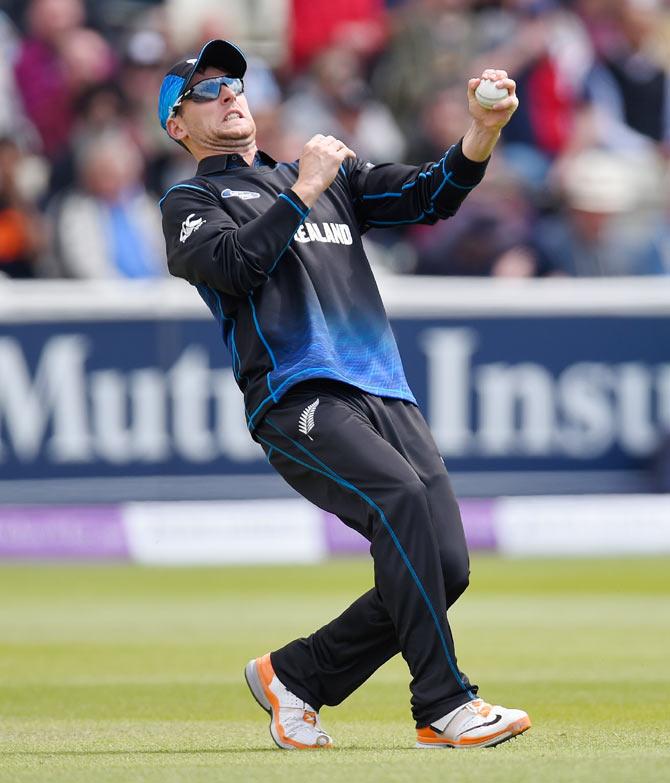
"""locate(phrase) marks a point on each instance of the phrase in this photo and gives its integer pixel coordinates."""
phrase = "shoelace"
(479, 707)
(295, 713)
(290, 700)
(296, 720)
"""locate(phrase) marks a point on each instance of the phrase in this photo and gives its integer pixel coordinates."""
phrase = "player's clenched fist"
(492, 98)
(321, 158)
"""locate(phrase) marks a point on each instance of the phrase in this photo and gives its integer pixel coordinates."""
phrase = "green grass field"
(129, 674)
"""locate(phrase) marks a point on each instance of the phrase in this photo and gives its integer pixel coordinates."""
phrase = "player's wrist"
(307, 191)
(479, 141)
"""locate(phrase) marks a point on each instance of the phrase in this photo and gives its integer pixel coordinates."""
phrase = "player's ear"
(176, 128)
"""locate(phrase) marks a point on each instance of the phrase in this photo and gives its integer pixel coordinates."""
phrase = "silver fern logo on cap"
(306, 421)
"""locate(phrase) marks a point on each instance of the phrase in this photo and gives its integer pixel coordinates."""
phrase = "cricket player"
(275, 251)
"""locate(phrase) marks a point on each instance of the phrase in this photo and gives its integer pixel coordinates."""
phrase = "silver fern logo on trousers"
(306, 421)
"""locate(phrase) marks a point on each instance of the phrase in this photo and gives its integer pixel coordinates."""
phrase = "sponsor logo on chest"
(333, 233)
(245, 195)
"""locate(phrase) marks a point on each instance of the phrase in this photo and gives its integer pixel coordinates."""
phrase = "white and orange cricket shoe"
(294, 725)
(473, 725)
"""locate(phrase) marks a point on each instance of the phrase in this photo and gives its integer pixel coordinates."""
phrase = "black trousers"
(373, 462)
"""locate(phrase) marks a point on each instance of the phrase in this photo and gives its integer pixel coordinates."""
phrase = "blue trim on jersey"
(406, 186)
(332, 374)
(370, 196)
(395, 222)
(209, 295)
(183, 185)
(236, 355)
(234, 351)
(265, 343)
(456, 185)
(286, 246)
(273, 393)
(331, 474)
(412, 183)
(443, 183)
(302, 214)
(446, 179)
(400, 222)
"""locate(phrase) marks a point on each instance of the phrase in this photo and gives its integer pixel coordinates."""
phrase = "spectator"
(13, 121)
(335, 100)
(440, 124)
(40, 72)
(660, 230)
(145, 53)
(22, 231)
(630, 83)
(433, 44)
(98, 109)
(87, 60)
(259, 27)
(600, 231)
(549, 55)
(489, 235)
(380, 74)
(320, 24)
(108, 225)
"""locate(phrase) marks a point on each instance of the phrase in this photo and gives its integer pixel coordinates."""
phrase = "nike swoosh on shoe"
(497, 719)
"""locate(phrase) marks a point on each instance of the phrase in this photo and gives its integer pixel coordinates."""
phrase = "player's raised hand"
(499, 114)
(320, 159)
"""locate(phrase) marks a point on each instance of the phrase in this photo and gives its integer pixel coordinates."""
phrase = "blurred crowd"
(578, 186)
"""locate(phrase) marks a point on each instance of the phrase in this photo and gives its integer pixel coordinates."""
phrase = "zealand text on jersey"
(333, 233)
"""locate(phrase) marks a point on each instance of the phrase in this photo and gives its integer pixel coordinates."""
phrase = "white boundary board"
(404, 297)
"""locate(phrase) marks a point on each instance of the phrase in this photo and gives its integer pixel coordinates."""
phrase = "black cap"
(219, 53)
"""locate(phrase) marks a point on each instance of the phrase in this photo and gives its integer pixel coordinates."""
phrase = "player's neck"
(249, 156)
(247, 153)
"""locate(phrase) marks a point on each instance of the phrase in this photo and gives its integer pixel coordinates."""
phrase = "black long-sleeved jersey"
(291, 287)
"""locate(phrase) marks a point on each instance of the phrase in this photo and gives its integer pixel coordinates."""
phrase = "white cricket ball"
(487, 94)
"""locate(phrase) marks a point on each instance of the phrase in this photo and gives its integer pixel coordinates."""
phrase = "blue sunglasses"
(209, 90)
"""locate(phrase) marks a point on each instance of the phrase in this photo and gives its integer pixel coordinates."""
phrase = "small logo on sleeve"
(245, 195)
(306, 421)
(191, 224)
